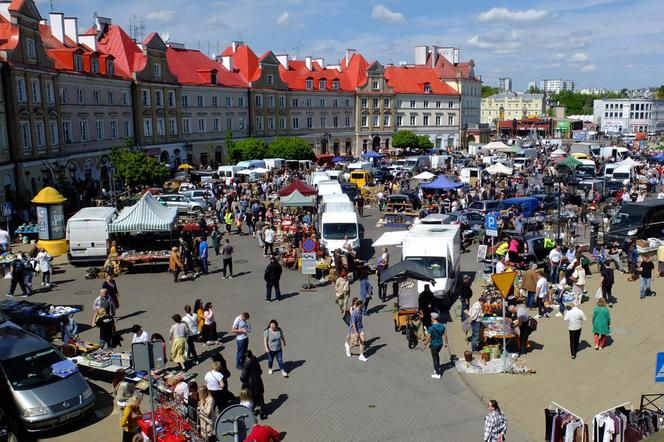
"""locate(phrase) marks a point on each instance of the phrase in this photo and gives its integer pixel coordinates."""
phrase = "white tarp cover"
(424, 176)
(499, 168)
(390, 239)
(499, 146)
(628, 163)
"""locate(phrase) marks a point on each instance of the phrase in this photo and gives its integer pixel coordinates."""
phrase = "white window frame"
(348, 122)
(322, 84)
(259, 100)
(171, 98)
(216, 125)
(26, 136)
(94, 65)
(425, 120)
(158, 98)
(375, 120)
(53, 130)
(173, 126)
(365, 121)
(31, 50)
(270, 123)
(156, 70)
(259, 123)
(270, 79)
(270, 101)
(40, 134)
(145, 97)
(99, 129)
(95, 97)
(335, 85)
(200, 102)
(147, 127)
(295, 122)
(202, 125)
(83, 130)
(78, 62)
(309, 122)
(125, 98)
(110, 97)
(161, 127)
(364, 103)
(375, 85)
(110, 68)
(21, 95)
(450, 120)
(282, 122)
(229, 123)
(50, 93)
(335, 121)
(35, 89)
(66, 132)
(186, 125)
(309, 83)
(215, 101)
(114, 130)
(282, 101)
(386, 120)
(323, 122)
(185, 100)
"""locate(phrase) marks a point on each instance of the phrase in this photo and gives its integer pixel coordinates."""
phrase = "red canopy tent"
(300, 187)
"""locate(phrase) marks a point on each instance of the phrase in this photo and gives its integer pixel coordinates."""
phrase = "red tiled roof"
(194, 67)
(129, 57)
(356, 70)
(297, 74)
(9, 35)
(447, 70)
(411, 80)
(16, 5)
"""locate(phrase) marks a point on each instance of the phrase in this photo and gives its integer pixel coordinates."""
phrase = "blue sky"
(597, 43)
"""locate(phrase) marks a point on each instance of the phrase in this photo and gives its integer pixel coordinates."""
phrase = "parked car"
(483, 207)
(183, 203)
(475, 219)
(172, 186)
(533, 249)
(351, 190)
(382, 175)
(33, 395)
(200, 195)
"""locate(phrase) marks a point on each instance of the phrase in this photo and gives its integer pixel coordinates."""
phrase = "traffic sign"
(308, 245)
(659, 368)
(503, 282)
(7, 209)
(491, 224)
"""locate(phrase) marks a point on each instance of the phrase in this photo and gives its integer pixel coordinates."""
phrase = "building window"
(412, 104)
(310, 122)
(386, 102)
(282, 101)
(229, 123)
(450, 120)
(427, 88)
(110, 68)
(53, 128)
(374, 103)
(66, 132)
(156, 70)
(146, 97)
(450, 104)
(185, 100)
(309, 83)
(171, 98)
(125, 98)
(78, 63)
(399, 120)
(158, 98)
(199, 101)
(40, 134)
(270, 79)
(375, 85)
(347, 102)
(375, 120)
(147, 127)
(36, 91)
(110, 98)
(335, 103)
(95, 97)
(335, 122)
(127, 128)
(114, 130)
(322, 84)
(215, 101)
(94, 65)
(425, 104)
(386, 120)
(365, 121)
(215, 125)
(99, 127)
(240, 101)
(282, 122)
(26, 139)
(323, 123)
(186, 125)
(294, 102)
(270, 101)
(32, 53)
(438, 104)
(347, 120)
(296, 123)
(161, 129)
(173, 126)
(425, 120)
(270, 123)
(439, 120)
(413, 120)
(50, 96)
(20, 90)
(213, 77)
(308, 102)
(83, 130)
(201, 125)
(321, 103)
(335, 85)
(242, 123)
(259, 101)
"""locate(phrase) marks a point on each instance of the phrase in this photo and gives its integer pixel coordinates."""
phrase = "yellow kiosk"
(51, 221)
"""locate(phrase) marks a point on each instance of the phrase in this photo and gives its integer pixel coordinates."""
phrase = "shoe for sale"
(347, 349)
(436, 376)
(362, 358)
(285, 374)
(269, 371)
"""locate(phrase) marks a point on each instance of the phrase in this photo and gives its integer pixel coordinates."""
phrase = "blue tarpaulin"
(338, 160)
(372, 154)
(442, 183)
(658, 157)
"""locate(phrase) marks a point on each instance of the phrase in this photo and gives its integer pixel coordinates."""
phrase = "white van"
(251, 164)
(328, 188)
(306, 164)
(337, 222)
(274, 163)
(623, 174)
(588, 166)
(608, 170)
(318, 177)
(87, 234)
(332, 198)
(471, 175)
(228, 173)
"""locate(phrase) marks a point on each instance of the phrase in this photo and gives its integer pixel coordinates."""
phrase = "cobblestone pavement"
(328, 396)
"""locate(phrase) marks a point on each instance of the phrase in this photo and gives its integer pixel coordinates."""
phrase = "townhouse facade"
(511, 105)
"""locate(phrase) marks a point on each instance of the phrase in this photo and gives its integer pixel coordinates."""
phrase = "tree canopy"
(290, 148)
(659, 93)
(405, 139)
(246, 149)
(582, 104)
(424, 142)
(488, 91)
(135, 167)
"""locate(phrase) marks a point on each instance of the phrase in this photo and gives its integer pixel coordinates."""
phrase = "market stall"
(39, 318)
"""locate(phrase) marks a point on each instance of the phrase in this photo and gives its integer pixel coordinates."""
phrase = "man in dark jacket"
(18, 276)
(465, 293)
(607, 282)
(272, 277)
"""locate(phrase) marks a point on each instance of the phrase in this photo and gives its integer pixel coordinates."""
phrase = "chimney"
(227, 62)
(320, 61)
(307, 62)
(283, 60)
(90, 40)
(236, 44)
(456, 56)
(421, 55)
(434, 56)
(71, 28)
(349, 55)
(56, 19)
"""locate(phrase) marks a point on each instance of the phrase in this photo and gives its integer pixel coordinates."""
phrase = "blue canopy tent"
(338, 160)
(442, 183)
(658, 157)
(372, 154)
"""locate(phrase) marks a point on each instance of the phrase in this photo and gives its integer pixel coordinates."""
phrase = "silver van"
(38, 398)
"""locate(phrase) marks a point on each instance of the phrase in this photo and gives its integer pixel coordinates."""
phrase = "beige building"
(511, 105)
(374, 109)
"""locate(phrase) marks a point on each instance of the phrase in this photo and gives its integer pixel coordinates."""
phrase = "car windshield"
(32, 370)
(477, 205)
(621, 176)
(628, 216)
(357, 175)
(339, 230)
(437, 264)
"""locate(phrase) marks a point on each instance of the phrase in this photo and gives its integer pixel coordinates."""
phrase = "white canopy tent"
(147, 215)
(499, 168)
(629, 162)
(499, 146)
(424, 176)
(390, 238)
(558, 153)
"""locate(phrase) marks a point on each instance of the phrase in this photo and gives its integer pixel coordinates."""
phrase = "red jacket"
(263, 433)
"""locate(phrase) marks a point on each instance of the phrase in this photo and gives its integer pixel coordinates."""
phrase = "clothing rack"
(631, 407)
(555, 406)
(648, 403)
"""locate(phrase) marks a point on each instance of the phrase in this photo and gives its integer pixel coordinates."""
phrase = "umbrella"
(185, 166)
(372, 154)
(338, 160)
(407, 270)
(424, 176)
(570, 162)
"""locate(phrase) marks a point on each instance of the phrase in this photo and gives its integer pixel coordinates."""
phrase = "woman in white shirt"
(579, 278)
(206, 408)
(214, 381)
(140, 335)
(44, 261)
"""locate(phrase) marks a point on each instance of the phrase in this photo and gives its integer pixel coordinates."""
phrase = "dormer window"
(213, 77)
(156, 70)
(110, 68)
(78, 63)
(427, 88)
(32, 53)
(270, 79)
(335, 85)
(322, 84)
(94, 66)
(309, 83)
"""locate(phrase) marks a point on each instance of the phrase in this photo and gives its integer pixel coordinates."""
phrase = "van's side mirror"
(452, 274)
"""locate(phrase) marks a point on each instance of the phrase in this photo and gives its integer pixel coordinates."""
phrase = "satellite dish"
(234, 423)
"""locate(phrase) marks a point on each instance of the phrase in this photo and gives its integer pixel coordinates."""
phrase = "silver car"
(41, 399)
(183, 203)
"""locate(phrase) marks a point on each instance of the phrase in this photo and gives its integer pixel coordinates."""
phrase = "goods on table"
(495, 326)
(55, 311)
(102, 358)
(133, 257)
(514, 365)
(98, 359)
(649, 245)
(170, 424)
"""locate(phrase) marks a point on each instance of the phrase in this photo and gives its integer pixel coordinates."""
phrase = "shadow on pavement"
(131, 315)
(292, 365)
(289, 295)
(373, 349)
(275, 403)
(376, 309)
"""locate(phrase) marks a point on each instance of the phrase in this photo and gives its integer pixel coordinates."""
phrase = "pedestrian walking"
(579, 280)
(436, 338)
(227, 258)
(44, 262)
(259, 232)
(495, 424)
(541, 290)
(274, 341)
(203, 255)
(475, 318)
(111, 287)
(178, 337)
(106, 325)
(228, 221)
(555, 258)
(268, 239)
(607, 282)
(366, 291)
(191, 321)
(209, 325)
(645, 275)
(175, 264)
(574, 318)
(251, 380)
(102, 301)
(382, 263)
(465, 294)
(356, 330)
(342, 292)
(601, 323)
(529, 284)
(241, 328)
(216, 239)
(215, 383)
(272, 276)
(18, 276)
(200, 317)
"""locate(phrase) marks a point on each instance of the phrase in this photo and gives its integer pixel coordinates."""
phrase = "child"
(245, 399)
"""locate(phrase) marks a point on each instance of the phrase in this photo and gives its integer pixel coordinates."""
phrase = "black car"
(351, 190)
(382, 175)
(532, 247)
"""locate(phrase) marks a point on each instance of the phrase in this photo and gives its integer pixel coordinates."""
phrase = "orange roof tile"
(356, 70)
(246, 61)
(193, 67)
(297, 74)
(9, 35)
(129, 58)
(411, 80)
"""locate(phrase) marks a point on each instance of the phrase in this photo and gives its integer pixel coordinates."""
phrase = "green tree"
(659, 93)
(291, 148)
(228, 145)
(424, 142)
(534, 90)
(135, 167)
(488, 91)
(404, 139)
(246, 149)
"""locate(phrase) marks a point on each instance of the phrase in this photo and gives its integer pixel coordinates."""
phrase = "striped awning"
(147, 215)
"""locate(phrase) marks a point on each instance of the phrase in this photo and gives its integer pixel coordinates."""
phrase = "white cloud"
(588, 68)
(284, 21)
(558, 56)
(382, 13)
(504, 14)
(580, 56)
(498, 41)
(163, 15)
